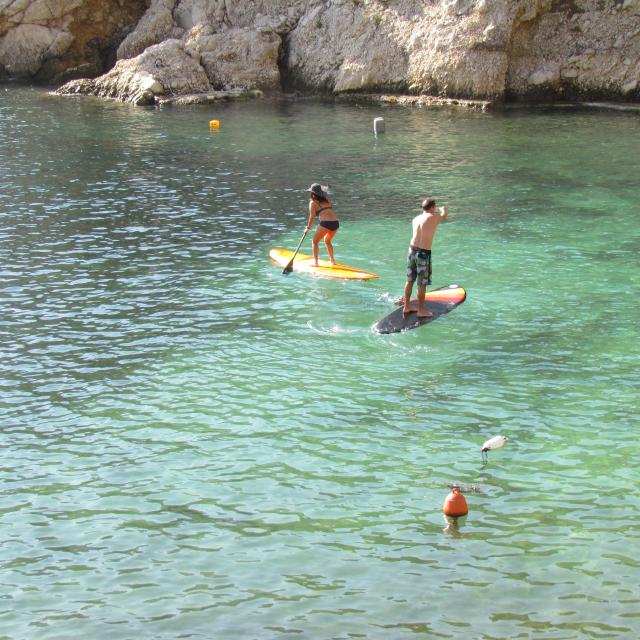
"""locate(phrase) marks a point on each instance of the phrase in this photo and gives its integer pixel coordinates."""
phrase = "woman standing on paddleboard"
(320, 207)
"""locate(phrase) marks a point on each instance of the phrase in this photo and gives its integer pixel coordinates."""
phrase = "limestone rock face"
(584, 49)
(347, 46)
(492, 49)
(49, 40)
(240, 57)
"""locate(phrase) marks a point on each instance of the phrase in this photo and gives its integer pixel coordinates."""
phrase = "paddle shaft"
(289, 267)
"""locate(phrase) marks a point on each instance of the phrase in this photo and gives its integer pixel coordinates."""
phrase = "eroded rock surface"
(484, 49)
(51, 40)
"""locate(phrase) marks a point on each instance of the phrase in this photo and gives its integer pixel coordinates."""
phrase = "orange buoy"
(214, 124)
(455, 503)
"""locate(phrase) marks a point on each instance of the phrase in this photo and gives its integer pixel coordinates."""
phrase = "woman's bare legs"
(327, 241)
(327, 235)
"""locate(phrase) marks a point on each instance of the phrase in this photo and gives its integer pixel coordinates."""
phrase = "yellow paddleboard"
(304, 264)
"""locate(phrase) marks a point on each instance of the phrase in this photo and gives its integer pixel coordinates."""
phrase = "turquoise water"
(196, 446)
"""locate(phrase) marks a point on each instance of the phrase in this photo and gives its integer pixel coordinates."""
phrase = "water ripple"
(195, 445)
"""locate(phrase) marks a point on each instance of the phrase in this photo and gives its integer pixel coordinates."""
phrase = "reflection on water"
(195, 445)
(454, 525)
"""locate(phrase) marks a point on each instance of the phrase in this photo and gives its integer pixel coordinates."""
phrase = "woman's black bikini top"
(319, 211)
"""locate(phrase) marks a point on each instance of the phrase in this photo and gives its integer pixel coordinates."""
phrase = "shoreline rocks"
(445, 50)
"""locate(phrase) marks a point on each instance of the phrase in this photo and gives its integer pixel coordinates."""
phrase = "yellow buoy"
(214, 124)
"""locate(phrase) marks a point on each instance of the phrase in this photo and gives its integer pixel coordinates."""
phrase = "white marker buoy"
(492, 443)
(378, 125)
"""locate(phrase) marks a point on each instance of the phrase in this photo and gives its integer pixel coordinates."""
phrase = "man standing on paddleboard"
(419, 258)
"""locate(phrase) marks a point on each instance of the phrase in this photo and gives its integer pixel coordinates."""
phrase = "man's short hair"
(427, 203)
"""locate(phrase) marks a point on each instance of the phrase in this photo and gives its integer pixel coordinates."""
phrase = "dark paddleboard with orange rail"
(439, 302)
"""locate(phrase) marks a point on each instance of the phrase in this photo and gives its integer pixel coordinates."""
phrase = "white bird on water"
(492, 443)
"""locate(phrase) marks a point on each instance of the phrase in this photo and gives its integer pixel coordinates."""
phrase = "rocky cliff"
(494, 49)
(58, 39)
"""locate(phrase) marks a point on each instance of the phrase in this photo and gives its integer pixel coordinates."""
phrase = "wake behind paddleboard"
(438, 301)
(304, 264)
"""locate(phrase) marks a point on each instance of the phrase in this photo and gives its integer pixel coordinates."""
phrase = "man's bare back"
(424, 227)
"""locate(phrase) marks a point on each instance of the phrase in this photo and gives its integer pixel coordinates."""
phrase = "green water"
(196, 446)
